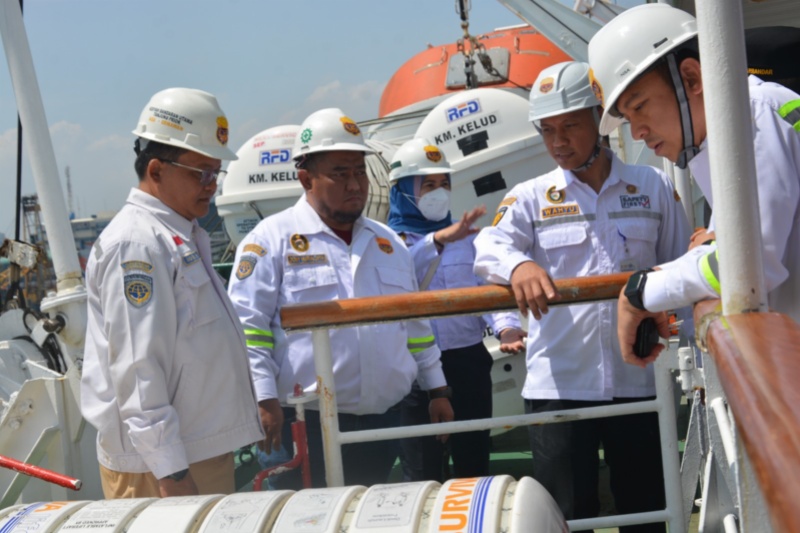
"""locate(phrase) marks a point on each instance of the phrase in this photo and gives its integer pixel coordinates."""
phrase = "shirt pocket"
(394, 280)
(311, 284)
(641, 236)
(205, 305)
(564, 250)
(457, 266)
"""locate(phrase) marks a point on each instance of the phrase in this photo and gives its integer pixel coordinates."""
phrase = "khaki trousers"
(212, 476)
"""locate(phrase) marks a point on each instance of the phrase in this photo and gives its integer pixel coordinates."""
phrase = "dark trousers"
(365, 463)
(566, 463)
(468, 372)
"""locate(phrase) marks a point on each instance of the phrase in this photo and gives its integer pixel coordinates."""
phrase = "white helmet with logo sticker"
(186, 118)
(328, 130)
(418, 157)
(560, 89)
(631, 43)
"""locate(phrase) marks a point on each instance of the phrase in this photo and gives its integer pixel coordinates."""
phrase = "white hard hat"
(560, 89)
(328, 130)
(418, 157)
(186, 118)
(628, 45)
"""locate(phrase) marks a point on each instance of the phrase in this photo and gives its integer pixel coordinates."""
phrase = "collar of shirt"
(180, 226)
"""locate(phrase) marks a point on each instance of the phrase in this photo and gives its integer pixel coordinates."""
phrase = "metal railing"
(320, 318)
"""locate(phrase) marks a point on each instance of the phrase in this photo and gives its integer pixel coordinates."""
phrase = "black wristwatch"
(446, 392)
(177, 476)
(634, 290)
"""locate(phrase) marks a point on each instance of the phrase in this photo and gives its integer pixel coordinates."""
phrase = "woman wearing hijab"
(443, 256)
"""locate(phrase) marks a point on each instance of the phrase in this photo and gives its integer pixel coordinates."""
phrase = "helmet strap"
(598, 147)
(689, 148)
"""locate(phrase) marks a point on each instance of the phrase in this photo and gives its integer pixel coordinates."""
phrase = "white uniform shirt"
(455, 271)
(777, 153)
(569, 230)
(165, 376)
(294, 257)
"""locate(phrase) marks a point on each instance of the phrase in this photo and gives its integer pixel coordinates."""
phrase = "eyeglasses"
(207, 176)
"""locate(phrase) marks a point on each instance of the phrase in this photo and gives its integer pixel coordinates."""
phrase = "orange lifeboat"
(518, 54)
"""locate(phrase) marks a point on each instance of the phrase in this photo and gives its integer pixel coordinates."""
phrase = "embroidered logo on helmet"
(433, 154)
(350, 126)
(222, 130)
(597, 89)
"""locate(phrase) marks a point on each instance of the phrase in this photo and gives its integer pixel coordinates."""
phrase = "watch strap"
(177, 476)
(446, 392)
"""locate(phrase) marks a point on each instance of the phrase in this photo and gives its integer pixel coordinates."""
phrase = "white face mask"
(435, 205)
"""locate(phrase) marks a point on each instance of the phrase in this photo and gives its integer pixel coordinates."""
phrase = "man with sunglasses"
(166, 380)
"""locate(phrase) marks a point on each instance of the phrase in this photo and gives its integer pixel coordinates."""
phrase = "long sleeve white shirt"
(569, 230)
(293, 257)
(777, 154)
(455, 271)
(165, 376)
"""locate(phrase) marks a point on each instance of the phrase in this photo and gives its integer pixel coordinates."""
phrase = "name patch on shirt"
(141, 266)
(628, 201)
(256, 249)
(138, 289)
(384, 245)
(246, 266)
(300, 260)
(560, 211)
(190, 258)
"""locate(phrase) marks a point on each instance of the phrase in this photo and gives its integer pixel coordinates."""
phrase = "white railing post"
(328, 410)
(730, 145)
(668, 431)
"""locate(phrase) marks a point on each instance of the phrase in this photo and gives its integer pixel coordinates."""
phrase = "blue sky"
(268, 62)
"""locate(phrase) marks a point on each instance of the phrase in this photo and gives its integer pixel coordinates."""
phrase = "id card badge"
(627, 265)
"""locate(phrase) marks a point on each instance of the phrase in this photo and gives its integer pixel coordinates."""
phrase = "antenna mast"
(69, 194)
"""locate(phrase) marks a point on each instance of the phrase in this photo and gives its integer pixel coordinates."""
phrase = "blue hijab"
(404, 215)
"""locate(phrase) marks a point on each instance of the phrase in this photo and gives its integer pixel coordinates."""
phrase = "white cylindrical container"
(106, 516)
(245, 512)
(177, 515)
(42, 517)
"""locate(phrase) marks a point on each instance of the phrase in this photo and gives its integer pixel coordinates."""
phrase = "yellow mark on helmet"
(432, 153)
(350, 126)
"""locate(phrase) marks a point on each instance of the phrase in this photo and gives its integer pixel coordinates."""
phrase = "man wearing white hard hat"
(593, 215)
(165, 375)
(322, 249)
(646, 68)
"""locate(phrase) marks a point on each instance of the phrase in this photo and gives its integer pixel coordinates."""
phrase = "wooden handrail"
(433, 304)
(757, 359)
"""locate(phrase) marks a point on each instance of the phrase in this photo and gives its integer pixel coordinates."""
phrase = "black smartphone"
(646, 338)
